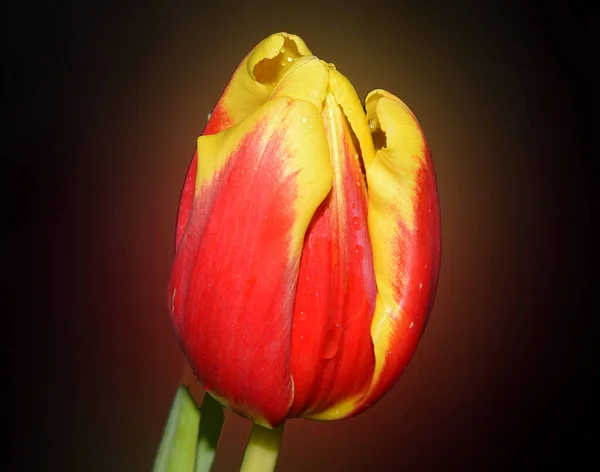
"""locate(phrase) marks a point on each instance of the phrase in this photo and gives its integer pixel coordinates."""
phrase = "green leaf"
(177, 450)
(211, 422)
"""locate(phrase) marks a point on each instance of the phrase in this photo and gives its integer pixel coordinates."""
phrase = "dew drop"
(303, 120)
(207, 385)
(371, 124)
(332, 342)
(412, 324)
(216, 369)
(359, 252)
(357, 182)
(356, 224)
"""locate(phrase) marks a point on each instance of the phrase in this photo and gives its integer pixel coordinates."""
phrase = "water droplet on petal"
(359, 252)
(371, 124)
(412, 324)
(303, 120)
(332, 342)
(356, 224)
(357, 182)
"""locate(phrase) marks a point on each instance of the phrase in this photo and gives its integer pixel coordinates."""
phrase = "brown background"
(102, 107)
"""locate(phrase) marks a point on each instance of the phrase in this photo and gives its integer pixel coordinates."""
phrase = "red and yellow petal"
(253, 82)
(257, 186)
(404, 226)
(280, 65)
(332, 356)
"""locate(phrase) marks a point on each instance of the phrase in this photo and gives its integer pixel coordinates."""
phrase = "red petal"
(332, 357)
(234, 277)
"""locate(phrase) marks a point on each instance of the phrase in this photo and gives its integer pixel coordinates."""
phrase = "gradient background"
(102, 106)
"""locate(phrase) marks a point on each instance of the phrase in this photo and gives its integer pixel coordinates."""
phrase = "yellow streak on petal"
(396, 165)
(306, 79)
(391, 178)
(254, 80)
(345, 94)
(338, 411)
(298, 124)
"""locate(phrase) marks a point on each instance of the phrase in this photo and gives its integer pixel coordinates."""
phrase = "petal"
(254, 80)
(306, 79)
(404, 225)
(346, 96)
(332, 357)
(232, 287)
(281, 65)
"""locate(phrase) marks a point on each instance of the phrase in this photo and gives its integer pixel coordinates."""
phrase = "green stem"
(262, 449)
(211, 422)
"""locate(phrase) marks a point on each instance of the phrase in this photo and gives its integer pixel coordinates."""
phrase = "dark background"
(101, 107)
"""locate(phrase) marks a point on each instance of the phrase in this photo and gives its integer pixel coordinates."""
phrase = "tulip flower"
(307, 241)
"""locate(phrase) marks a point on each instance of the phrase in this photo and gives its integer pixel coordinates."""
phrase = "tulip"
(307, 241)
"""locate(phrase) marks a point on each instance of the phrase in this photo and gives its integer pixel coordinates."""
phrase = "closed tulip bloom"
(307, 242)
